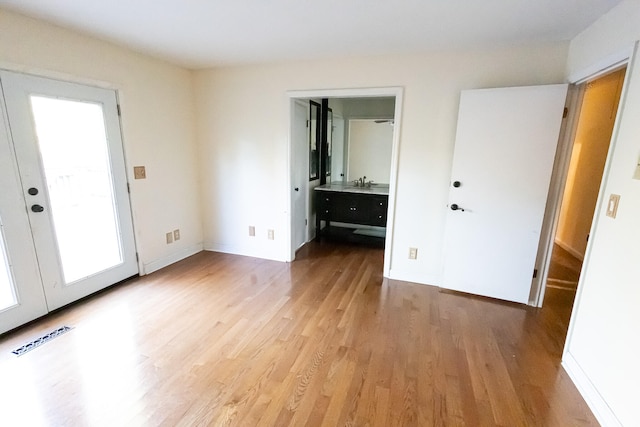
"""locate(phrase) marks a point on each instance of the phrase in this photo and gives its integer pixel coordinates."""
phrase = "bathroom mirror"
(361, 138)
(369, 149)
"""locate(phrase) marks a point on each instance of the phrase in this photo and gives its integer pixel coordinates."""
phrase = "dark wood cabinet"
(351, 208)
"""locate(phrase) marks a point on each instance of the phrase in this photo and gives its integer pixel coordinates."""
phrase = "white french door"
(21, 293)
(71, 190)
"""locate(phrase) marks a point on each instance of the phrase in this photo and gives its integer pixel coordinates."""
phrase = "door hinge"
(137, 257)
(535, 273)
(307, 123)
(306, 222)
(119, 111)
(128, 188)
(565, 113)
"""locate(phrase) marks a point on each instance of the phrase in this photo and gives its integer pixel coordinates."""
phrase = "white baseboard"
(152, 266)
(417, 278)
(234, 250)
(569, 249)
(589, 392)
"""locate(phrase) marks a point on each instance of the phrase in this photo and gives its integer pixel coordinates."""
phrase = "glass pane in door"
(75, 158)
(7, 289)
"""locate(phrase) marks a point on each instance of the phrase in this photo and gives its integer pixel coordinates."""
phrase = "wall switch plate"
(612, 205)
(413, 253)
(169, 237)
(176, 234)
(139, 172)
(270, 235)
(252, 231)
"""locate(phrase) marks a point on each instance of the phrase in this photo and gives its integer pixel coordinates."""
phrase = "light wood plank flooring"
(324, 341)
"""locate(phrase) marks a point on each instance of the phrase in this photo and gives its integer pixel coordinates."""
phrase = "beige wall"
(602, 349)
(243, 116)
(609, 37)
(158, 124)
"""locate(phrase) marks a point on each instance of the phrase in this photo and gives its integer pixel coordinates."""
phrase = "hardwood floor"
(564, 269)
(324, 341)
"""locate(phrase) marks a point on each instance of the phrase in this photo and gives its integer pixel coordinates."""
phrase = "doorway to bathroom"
(379, 107)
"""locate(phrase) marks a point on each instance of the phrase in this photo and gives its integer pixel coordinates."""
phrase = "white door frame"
(563, 157)
(396, 92)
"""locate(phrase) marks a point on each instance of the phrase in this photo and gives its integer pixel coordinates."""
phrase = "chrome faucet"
(362, 182)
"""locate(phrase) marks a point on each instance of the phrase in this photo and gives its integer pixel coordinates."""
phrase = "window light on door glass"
(74, 150)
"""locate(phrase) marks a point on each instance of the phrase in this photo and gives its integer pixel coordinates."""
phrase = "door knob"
(32, 191)
(36, 208)
(457, 184)
(455, 207)
(297, 189)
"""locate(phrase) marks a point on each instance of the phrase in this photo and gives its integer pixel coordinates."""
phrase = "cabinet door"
(349, 207)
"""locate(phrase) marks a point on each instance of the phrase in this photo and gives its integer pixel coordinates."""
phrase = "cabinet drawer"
(324, 203)
(379, 210)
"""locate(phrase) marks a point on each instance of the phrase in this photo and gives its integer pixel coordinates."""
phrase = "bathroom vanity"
(351, 206)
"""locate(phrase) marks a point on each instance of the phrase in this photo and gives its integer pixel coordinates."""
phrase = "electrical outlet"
(413, 253)
(176, 234)
(252, 231)
(169, 237)
(270, 234)
(139, 172)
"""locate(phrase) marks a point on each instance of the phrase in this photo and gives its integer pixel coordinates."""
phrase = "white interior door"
(21, 295)
(503, 158)
(69, 154)
(300, 173)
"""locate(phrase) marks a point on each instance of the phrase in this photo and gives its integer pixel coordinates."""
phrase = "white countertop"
(381, 189)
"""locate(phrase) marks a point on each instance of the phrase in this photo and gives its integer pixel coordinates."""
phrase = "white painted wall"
(157, 117)
(243, 130)
(603, 349)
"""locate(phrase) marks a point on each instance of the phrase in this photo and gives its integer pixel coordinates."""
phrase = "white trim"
(150, 267)
(603, 66)
(242, 251)
(556, 192)
(398, 93)
(57, 75)
(589, 392)
(346, 93)
(587, 389)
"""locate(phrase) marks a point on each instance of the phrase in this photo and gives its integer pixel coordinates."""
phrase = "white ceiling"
(207, 33)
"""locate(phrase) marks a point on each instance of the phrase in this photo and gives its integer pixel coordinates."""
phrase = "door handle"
(455, 207)
(297, 189)
(36, 208)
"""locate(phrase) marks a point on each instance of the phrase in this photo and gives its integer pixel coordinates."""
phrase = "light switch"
(612, 206)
